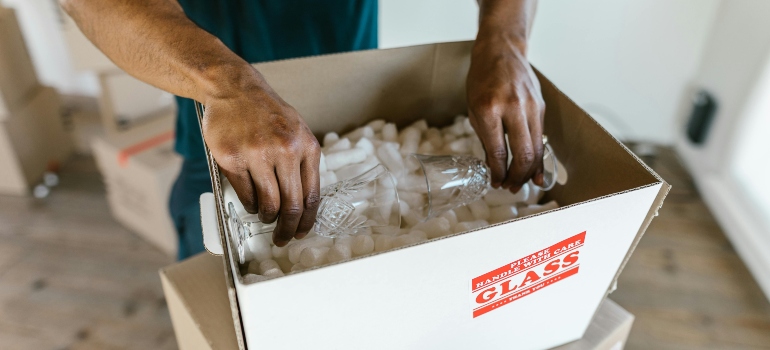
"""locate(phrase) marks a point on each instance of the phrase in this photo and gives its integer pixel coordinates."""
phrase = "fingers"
(268, 194)
(522, 150)
(310, 192)
(244, 188)
(292, 207)
(489, 128)
(536, 130)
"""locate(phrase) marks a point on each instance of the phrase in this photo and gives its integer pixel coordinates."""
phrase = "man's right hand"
(268, 154)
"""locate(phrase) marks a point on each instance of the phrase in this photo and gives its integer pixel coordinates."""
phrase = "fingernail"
(539, 179)
(280, 243)
(515, 189)
(301, 235)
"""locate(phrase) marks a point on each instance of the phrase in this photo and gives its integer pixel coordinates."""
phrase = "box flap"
(197, 284)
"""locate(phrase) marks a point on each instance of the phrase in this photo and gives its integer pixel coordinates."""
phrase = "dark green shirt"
(267, 30)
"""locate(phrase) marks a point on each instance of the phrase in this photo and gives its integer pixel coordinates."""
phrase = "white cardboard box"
(139, 174)
(478, 289)
(18, 80)
(129, 106)
(200, 311)
(32, 142)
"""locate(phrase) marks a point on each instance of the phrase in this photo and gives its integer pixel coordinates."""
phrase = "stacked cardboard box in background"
(32, 138)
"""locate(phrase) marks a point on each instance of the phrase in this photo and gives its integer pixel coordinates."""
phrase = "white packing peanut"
(421, 125)
(340, 145)
(365, 144)
(536, 209)
(418, 235)
(298, 267)
(232, 197)
(268, 265)
(328, 178)
(503, 213)
(284, 263)
(340, 159)
(313, 256)
(469, 225)
(276, 272)
(460, 146)
(330, 139)
(296, 247)
(410, 219)
(457, 128)
(426, 148)
(415, 201)
(433, 136)
(477, 148)
(410, 140)
(479, 209)
(376, 124)
(413, 183)
(253, 278)
(447, 138)
(382, 242)
(259, 246)
(450, 216)
(524, 193)
(468, 127)
(353, 170)
(339, 252)
(280, 252)
(253, 267)
(497, 197)
(402, 240)
(392, 160)
(322, 164)
(357, 134)
(390, 133)
(435, 227)
(362, 244)
(463, 214)
(535, 195)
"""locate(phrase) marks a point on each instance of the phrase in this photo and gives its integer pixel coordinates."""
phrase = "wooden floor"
(72, 278)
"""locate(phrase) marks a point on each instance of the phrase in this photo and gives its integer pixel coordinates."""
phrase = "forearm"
(154, 41)
(509, 20)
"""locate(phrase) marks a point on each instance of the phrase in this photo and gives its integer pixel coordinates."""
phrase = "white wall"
(730, 169)
(628, 62)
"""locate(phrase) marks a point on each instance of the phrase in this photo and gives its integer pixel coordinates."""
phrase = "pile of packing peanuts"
(352, 154)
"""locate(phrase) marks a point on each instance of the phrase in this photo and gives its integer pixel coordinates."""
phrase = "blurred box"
(200, 310)
(32, 142)
(139, 172)
(129, 106)
(18, 80)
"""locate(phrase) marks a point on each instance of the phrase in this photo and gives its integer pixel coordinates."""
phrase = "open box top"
(342, 91)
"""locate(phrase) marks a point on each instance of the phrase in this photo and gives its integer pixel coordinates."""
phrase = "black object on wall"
(702, 116)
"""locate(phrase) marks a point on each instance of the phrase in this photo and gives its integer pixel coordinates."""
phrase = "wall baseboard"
(748, 235)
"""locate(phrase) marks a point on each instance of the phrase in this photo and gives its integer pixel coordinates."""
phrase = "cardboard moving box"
(32, 142)
(139, 174)
(200, 311)
(530, 283)
(18, 80)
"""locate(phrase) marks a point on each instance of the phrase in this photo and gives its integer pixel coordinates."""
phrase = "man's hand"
(270, 157)
(260, 142)
(504, 95)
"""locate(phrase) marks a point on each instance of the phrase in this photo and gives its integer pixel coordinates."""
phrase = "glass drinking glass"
(448, 182)
(350, 206)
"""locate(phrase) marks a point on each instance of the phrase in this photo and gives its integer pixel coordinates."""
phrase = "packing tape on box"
(140, 147)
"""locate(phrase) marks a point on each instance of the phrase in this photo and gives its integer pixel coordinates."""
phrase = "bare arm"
(504, 93)
(261, 143)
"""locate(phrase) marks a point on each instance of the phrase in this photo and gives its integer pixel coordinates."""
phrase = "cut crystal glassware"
(369, 200)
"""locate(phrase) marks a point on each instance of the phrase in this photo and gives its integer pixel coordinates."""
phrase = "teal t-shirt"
(267, 30)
